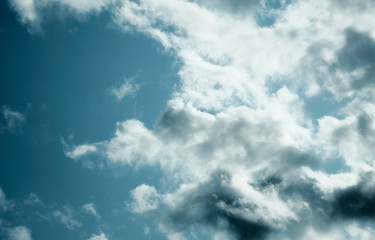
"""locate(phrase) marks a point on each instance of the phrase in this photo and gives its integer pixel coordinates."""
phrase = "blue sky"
(187, 119)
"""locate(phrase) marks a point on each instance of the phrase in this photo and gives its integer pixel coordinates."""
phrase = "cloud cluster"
(71, 218)
(239, 143)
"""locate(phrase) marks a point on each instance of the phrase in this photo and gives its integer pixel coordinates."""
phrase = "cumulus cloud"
(13, 120)
(20, 233)
(238, 143)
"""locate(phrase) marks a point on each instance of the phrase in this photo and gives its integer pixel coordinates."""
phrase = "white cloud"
(90, 208)
(101, 236)
(80, 151)
(145, 198)
(19, 233)
(127, 88)
(31, 11)
(28, 13)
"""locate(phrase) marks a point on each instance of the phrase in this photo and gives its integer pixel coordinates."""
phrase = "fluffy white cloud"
(20, 233)
(145, 198)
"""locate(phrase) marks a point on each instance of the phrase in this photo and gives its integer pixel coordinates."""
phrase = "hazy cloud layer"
(241, 148)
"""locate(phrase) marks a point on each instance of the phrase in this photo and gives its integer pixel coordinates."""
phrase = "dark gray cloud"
(214, 204)
(356, 202)
(358, 53)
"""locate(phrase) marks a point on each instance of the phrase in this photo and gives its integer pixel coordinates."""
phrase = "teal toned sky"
(187, 119)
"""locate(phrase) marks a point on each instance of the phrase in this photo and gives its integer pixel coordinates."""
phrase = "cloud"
(19, 233)
(28, 13)
(146, 230)
(66, 217)
(31, 11)
(101, 236)
(13, 120)
(90, 208)
(81, 150)
(4, 203)
(127, 88)
(145, 198)
(240, 148)
(33, 200)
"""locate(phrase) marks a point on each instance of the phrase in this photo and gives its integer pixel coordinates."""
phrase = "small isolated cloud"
(145, 198)
(66, 217)
(127, 88)
(13, 120)
(19, 233)
(91, 209)
(101, 236)
(80, 151)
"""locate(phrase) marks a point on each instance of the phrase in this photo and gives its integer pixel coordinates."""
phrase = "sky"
(187, 119)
